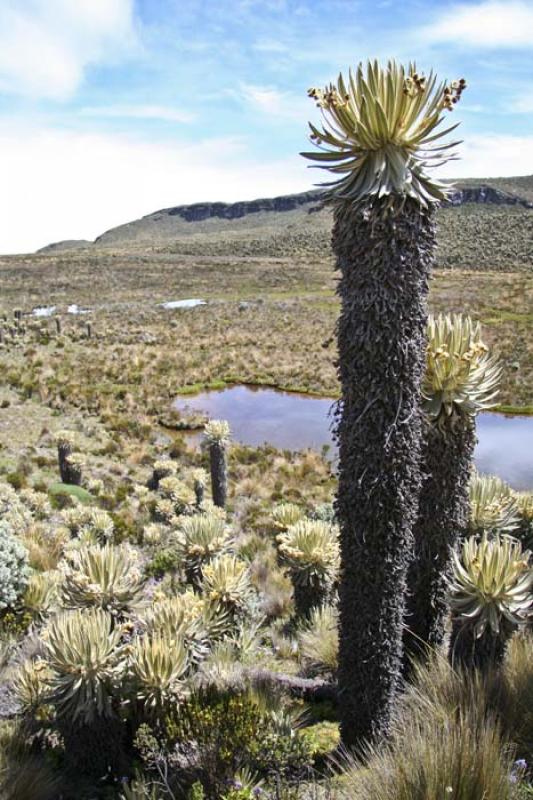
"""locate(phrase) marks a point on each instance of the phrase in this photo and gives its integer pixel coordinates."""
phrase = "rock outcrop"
(168, 223)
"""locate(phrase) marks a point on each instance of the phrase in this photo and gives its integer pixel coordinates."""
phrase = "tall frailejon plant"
(217, 433)
(379, 138)
(461, 379)
(70, 472)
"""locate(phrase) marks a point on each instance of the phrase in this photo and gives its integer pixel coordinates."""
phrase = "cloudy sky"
(111, 109)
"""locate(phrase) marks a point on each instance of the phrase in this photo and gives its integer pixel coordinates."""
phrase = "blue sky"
(110, 109)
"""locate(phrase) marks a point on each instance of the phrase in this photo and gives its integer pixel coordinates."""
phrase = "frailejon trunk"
(442, 521)
(219, 477)
(64, 450)
(384, 266)
(308, 596)
(467, 651)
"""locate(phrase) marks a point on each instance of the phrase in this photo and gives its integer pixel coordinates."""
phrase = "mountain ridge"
(168, 222)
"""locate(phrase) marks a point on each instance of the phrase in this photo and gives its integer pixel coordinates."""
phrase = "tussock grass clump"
(41, 594)
(451, 736)
(23, 776)
(318, 640)
(463, 759)
(504, 695)
(44, 546)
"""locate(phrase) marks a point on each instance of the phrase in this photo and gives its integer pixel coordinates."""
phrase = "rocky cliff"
(178, 221)
(198, 212)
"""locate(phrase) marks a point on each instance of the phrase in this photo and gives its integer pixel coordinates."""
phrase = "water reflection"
(291, 421)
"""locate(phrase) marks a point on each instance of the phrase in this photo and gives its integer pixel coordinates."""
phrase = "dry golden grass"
(140, 356)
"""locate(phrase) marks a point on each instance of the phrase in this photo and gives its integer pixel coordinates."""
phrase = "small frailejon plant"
(310, 551)
(14, 569)
(491, 595)
(66, 443)
(286, 514)
(187, 616)
(74, 464)
(226, 585)
(40, 594)
(103, 577)
(493, 506)
(202, 537)
(37, 502)
(89, 524)
(100, 525)
(524, 529)
(461, 379)
(157, 665)
(177, 492)
(82, 651)
(199, 477)
(31, 685)
(163, 468)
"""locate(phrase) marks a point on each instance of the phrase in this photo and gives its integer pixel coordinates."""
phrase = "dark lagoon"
(289, 421)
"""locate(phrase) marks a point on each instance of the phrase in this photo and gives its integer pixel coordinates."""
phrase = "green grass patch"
(522, 411)
(57, 489)
(496, 317)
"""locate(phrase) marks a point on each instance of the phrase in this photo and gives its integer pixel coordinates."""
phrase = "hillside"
(488, 225)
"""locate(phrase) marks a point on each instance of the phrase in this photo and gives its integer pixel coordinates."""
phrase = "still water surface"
(289, 421)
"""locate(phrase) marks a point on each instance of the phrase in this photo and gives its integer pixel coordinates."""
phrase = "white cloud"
(67, 185)
(492, 23)
(522, 104)
(165, 113)
(492, 156)
(46, 45)
(274, 102)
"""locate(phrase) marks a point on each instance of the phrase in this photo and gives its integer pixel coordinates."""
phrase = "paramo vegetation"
(229, 623)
